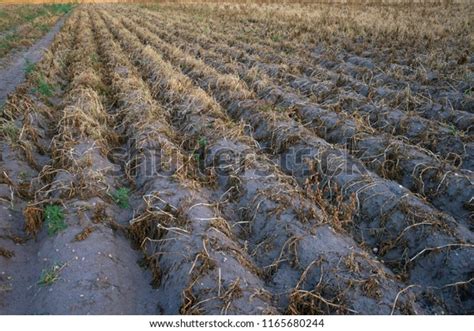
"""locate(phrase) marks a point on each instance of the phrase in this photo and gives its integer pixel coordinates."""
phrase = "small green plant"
(121, 197)
(31, 17)
(23, 176)
(4, 45)
(94, 58)
(42, 27)
(60, 8)
(453, 130)
(12, 37)
(276, 37)
(54, 218)
(44, 88)
(202, 142)
(50, 275)
(7, 42)
(29, 66)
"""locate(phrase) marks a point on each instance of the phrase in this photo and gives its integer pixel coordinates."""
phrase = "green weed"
(54, 218)
(29, 66)
(94, 58)
(7, 42)
(276, 37)
(44, 88)
(202, 142)
(49, 276)
(11, 37)
(121, 197)
(42, 27)
(60, 8)
(453, 130)
(23, 176)
(30, 17)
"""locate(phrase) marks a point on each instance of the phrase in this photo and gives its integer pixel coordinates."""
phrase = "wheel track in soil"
(20, 168)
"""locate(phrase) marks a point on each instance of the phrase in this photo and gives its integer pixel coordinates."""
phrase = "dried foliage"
(345, 187)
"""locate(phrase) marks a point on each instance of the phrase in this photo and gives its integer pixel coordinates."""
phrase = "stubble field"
(242, 159)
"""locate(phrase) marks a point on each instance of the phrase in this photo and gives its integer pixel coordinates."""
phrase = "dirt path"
(13, 73)
(94, 266)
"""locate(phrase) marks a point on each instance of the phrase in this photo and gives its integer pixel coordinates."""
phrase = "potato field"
(180, 158)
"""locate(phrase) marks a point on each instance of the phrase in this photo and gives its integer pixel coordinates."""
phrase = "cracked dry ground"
(241, 160)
